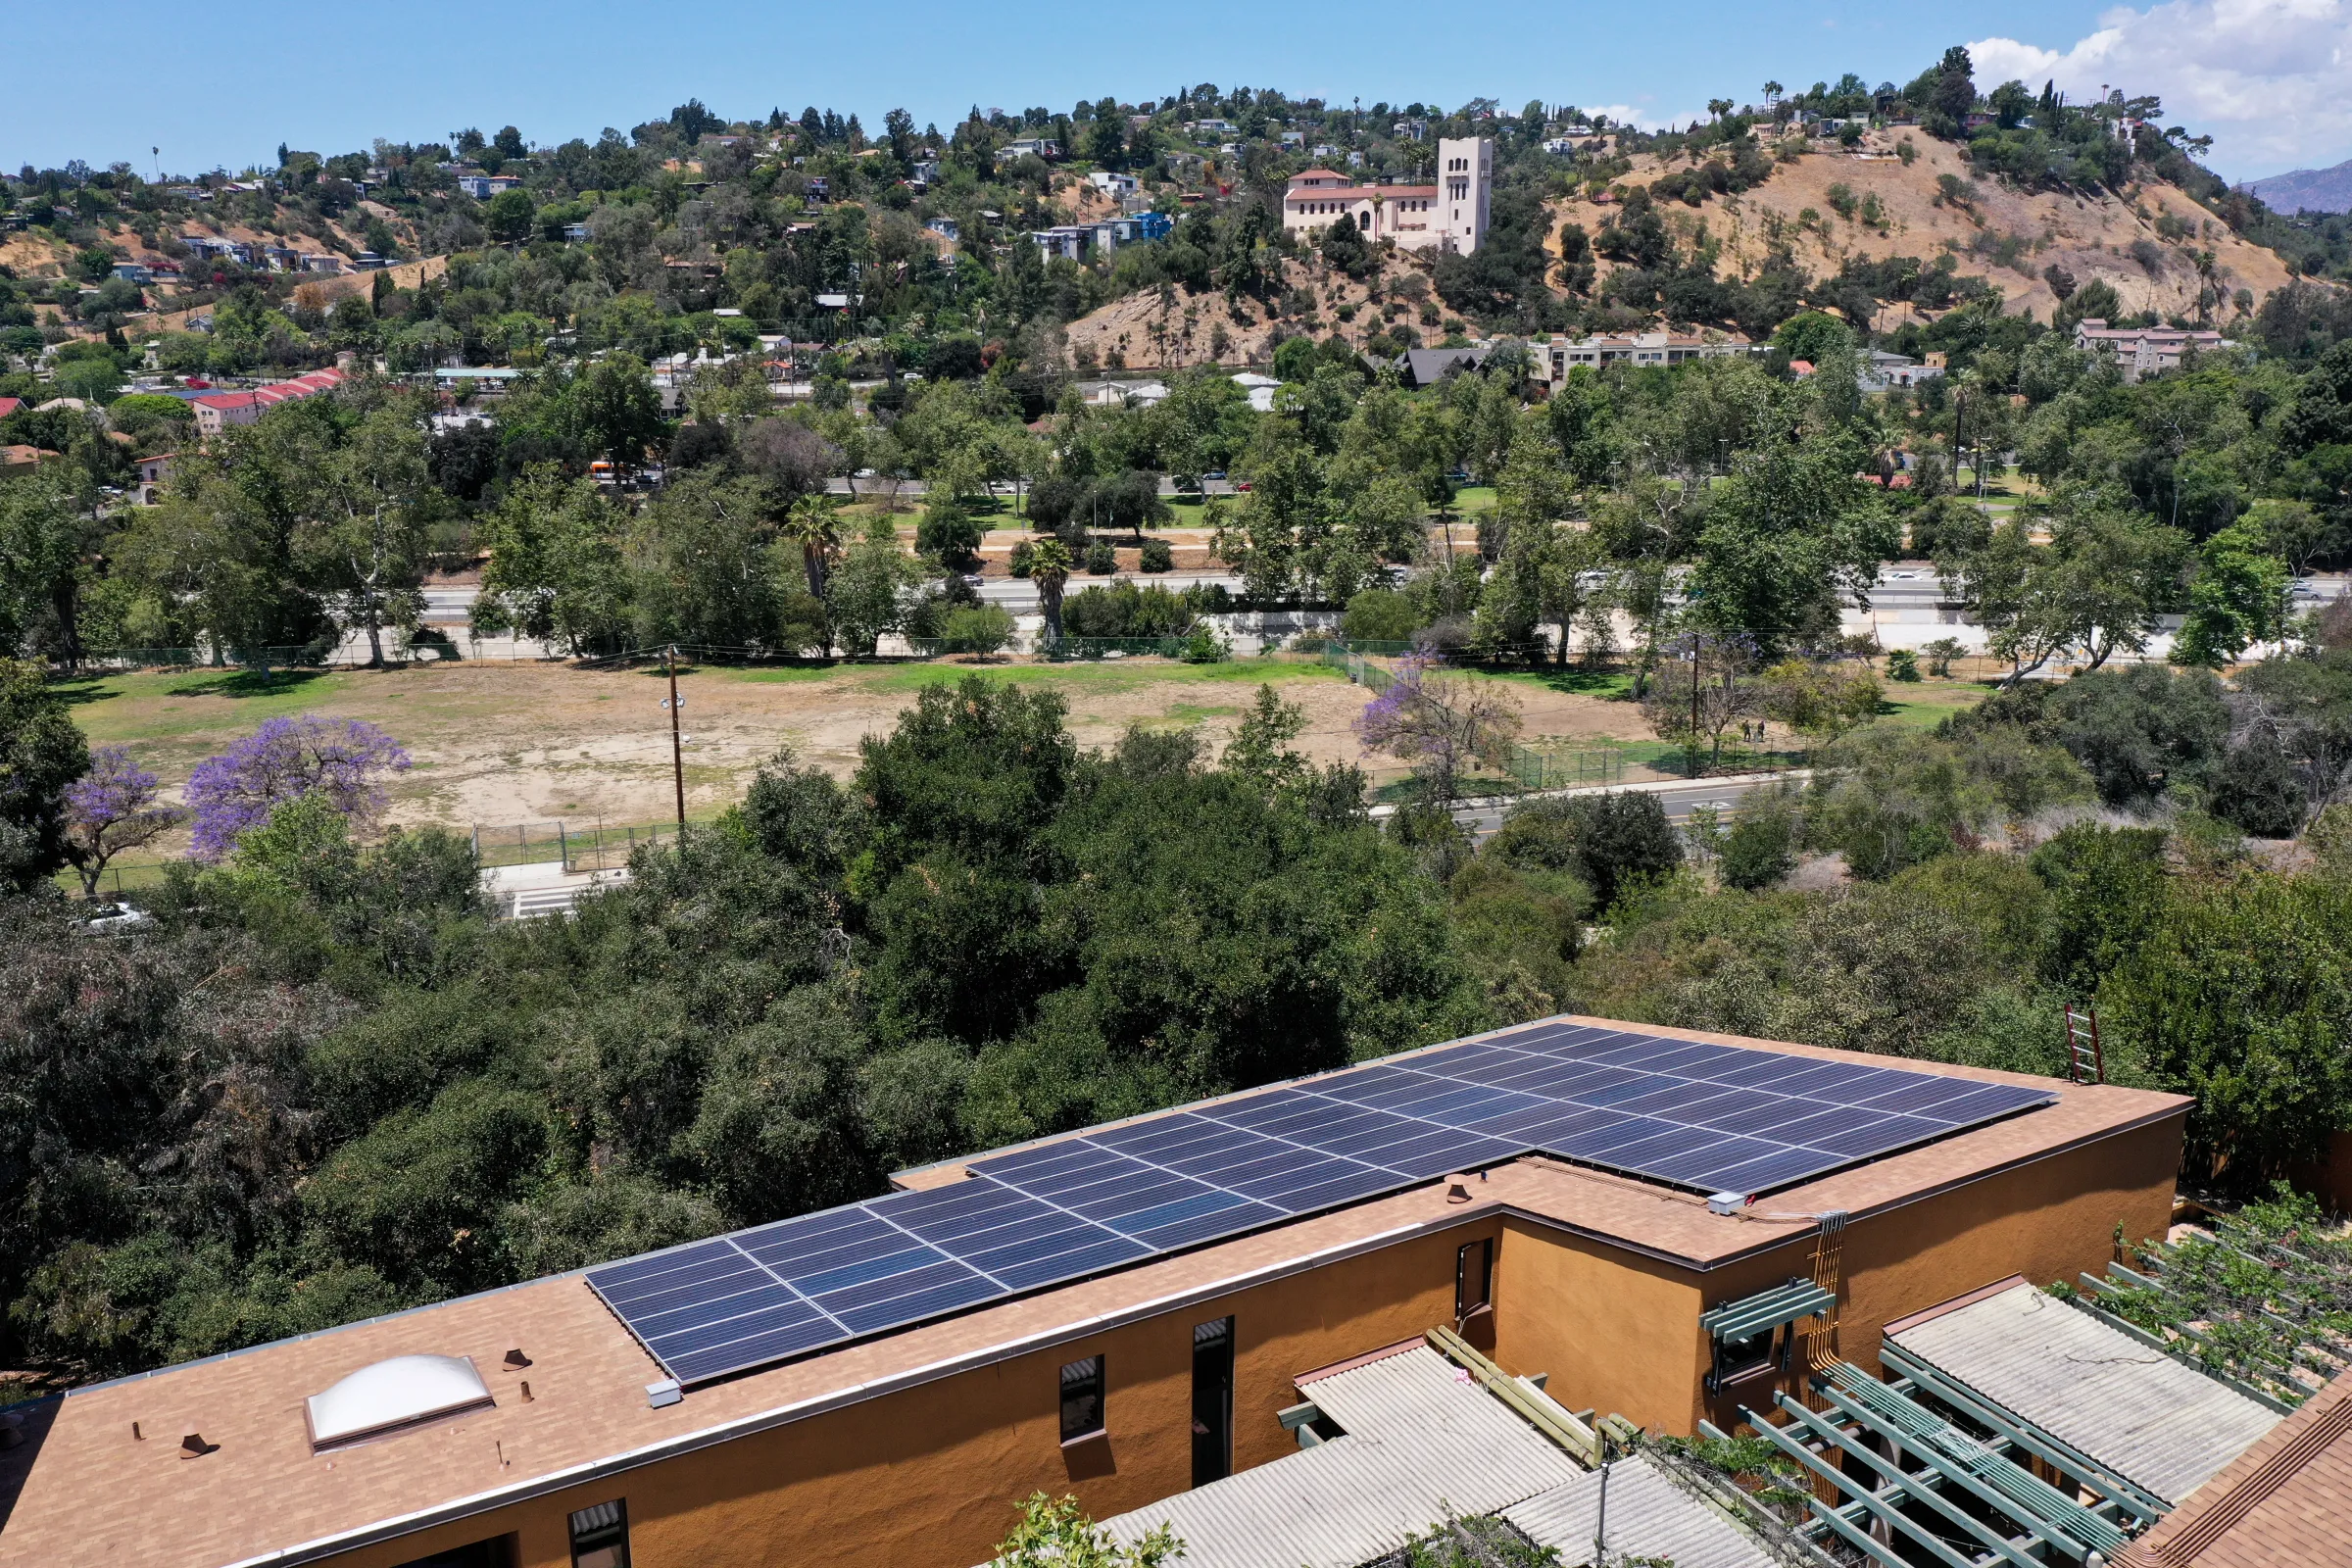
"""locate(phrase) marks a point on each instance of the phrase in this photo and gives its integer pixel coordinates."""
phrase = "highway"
(1679, 798)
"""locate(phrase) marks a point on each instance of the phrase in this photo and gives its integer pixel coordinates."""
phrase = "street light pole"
(677, 744)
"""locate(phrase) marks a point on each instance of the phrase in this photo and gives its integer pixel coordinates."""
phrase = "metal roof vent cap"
(393, 1394)
(1456, 1192)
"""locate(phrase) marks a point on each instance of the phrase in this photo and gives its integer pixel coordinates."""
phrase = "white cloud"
(2270, 81)
(1640, 117)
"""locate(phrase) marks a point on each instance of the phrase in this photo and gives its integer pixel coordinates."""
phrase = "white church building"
(1448, 215)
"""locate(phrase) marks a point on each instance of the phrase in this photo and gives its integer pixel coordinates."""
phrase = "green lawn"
(1108, 677)
(174, 707)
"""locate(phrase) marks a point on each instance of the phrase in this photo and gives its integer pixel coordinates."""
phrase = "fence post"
(563, 846)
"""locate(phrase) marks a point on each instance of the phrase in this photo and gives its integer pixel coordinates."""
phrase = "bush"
(1607, 840)
(1902, 665)
(1761, 847)
(976, 629)
(2256, 789)
(1024, 558)
(1101, 560)
(1380, 615)
(1157, 555)
(951, 532)
(1124, 610)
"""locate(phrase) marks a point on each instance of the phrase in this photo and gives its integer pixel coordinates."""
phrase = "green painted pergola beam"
(2143, 1506)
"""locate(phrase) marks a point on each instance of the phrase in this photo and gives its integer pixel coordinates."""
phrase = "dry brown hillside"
(1167, 332)
(2089, 236)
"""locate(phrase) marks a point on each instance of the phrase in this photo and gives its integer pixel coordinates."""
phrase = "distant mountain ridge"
(2315, 190)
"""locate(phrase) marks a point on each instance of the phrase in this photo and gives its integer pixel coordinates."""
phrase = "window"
(1212, 1401)
(1082, 1399)
(1473, 1279)
(600, 1535)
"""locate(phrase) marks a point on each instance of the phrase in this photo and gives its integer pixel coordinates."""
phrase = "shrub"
(950, 531)
(1607, 840)
(1761, 847)
(1024, 558)
(1379, 616)
(1101, 560)
(976, 629)
(1157, 555)
(1902, 665)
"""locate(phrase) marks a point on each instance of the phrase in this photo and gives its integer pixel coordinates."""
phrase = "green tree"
(1060, 1535)
(618, 409)
(864, 595)
(554, 572)
(509, 216)
(2242, 997)
(41, 752)
(364, 546)
(1791, 534)
(2237, 599)
(1049, 569)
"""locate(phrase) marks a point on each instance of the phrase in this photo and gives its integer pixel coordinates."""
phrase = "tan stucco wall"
(933, 1476)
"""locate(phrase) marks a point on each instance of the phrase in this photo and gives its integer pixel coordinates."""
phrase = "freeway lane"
(1678, 796)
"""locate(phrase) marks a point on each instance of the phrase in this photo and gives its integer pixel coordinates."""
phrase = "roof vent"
(394, 1393)
(516, 1360)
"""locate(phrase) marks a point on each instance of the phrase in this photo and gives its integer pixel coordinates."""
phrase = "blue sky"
(223, 86)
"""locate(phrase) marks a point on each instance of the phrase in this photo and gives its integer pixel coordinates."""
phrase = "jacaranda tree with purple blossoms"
(1442, 725)
(345, 760)
(112, 807)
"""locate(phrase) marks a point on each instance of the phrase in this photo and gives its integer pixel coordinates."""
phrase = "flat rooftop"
(261, 1489)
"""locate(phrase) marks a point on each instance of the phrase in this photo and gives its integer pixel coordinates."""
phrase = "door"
(1212, 1401)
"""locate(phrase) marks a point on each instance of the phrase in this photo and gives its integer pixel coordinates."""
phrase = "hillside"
(2142, 247)
(2307, 190)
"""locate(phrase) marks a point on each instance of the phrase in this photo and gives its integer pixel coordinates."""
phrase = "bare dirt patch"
(502, 744)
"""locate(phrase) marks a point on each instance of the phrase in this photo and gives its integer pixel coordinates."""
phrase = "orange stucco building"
(915, 1447)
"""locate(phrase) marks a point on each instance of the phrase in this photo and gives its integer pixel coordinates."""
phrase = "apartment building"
(2144, 350)
(1662, 1223)
(1450, 214)
(1655, 348)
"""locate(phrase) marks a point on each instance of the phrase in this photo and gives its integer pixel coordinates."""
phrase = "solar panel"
(1693, 1114)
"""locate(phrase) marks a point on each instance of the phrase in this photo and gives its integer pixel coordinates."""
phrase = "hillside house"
(2146, 350)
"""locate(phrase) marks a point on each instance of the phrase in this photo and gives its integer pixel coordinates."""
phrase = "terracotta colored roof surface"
(262, 1489)
(8, 406)
(1356, 193)
(2286, 1501)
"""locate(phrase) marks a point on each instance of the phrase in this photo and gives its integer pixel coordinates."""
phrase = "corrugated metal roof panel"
(1649, 1516)
(1421, 1442)
(2152, 1420)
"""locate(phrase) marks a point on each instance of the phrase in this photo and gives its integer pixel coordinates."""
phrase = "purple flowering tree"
(112, 807)
(344, 759)
(1442, 725)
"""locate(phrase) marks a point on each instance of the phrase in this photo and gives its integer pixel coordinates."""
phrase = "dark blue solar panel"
(1697, 1114)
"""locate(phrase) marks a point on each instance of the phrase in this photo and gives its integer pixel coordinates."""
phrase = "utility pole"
(677, 744)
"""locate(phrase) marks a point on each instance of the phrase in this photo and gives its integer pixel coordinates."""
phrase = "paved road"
(1680, 799)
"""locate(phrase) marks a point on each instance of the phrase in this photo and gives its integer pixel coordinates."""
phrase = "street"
(1679, 798)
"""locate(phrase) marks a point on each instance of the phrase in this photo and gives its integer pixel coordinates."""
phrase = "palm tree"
(1720, 106)
(1049, 569)
(813, 524)
(1772, 92)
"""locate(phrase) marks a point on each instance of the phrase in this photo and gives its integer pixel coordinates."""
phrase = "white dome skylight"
(393, 1394)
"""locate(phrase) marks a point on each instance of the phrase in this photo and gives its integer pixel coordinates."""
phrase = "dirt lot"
(499, 744)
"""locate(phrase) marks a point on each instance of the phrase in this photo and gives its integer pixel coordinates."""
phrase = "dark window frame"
(1085, 1402)
(1212, 1449)
(1468, 1302)
(599, 1532)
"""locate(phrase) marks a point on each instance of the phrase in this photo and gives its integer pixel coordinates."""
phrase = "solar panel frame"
(1691, 1113)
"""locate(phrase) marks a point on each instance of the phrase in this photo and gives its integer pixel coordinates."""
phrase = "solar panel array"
(1704, 1116)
